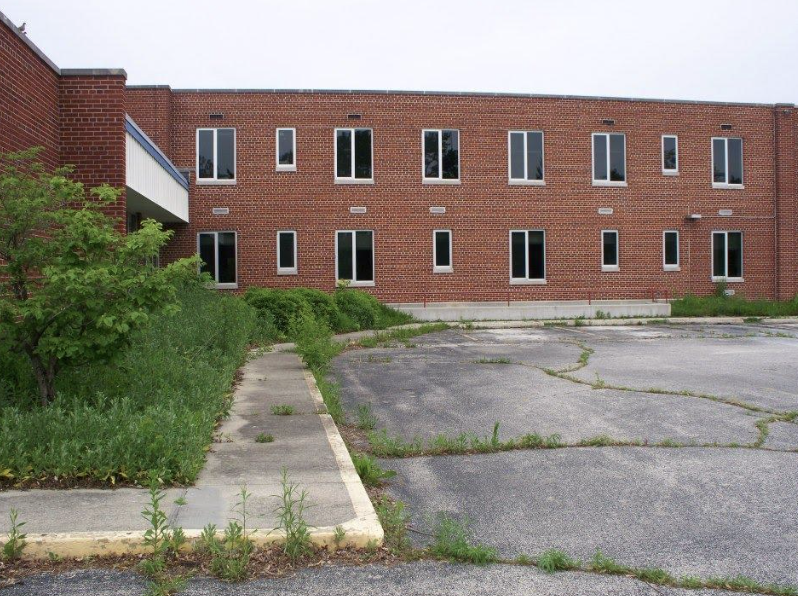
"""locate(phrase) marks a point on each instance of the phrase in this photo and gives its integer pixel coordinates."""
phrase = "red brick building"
(433, 196)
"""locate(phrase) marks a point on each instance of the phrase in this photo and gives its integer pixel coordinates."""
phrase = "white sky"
(726, 50)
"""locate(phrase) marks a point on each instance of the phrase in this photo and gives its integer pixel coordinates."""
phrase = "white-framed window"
(727, 256)
(354, 156)
(727, 162)
(525, 156)
(286, 253)
(217, 250)
(670, 155)
(354, 257)
(441, 156)
(442, 251)
(285, 149)
(216, 156)
(527, 256)
(609, 159)
(670, 250)
(609, 250)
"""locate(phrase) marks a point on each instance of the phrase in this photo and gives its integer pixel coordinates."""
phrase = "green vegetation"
(370, 472)
(556, 560)
(394, 520)
(452, 540)
(366, 420)
(291, 514)
(282, 410)
(230, 554)
(264, 438)
(15, 543)
(732, 306)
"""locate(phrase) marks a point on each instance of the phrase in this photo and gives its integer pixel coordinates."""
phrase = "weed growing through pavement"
(492, 361)
(230, 554)
(162, 540)
(15, 544)
(394, 520)
(264, 438)
(369, 470)
(452, 540)
(338, 536)
(291, 515)
(366, 420)
(282, 410)
(556, 560)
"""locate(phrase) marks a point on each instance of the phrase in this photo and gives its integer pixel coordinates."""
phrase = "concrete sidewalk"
(98, 521)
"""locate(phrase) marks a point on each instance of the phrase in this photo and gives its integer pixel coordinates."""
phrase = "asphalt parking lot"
(723, 502)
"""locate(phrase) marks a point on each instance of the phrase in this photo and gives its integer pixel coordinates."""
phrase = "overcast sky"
(727, 50)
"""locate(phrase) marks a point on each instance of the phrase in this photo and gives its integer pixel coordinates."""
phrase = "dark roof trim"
(153, 149)
(93, 72)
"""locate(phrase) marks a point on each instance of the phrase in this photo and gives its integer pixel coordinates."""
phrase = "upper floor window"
(527, 256)
(286, 253)
(670, 154)
(670, 250)
(609, 250)
(216, 155)
(354, 257)
(286, 149)
(217, 250)
(441, 155)
(727, 256)
(727, 162)
(609, 159)
(353, 155)
(526, 157)
(442, 251)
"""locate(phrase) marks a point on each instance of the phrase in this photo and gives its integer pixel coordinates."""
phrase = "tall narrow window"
(609, 250)
(286, 253)
(355, 257)
(217, 250)
(727, 256)
(353, 155)
(670, 154)
(527, 256)
(442, 251)
(286, 149)
(441, 155)
(216, 155)
(727, 162)
(609, 159)
(670, 250)
(526, 157)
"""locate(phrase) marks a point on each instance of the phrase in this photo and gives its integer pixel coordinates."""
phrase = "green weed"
(556, 560)
(15, 543)
(291, 515)
(369, 470)
(282, 410)
(452, 540)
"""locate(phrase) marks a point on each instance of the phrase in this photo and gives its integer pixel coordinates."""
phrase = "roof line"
(150, 147)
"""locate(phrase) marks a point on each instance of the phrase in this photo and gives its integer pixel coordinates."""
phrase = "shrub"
(713, 306)
(360, 307)
(278, 307)
(314, 342)
(325, 309)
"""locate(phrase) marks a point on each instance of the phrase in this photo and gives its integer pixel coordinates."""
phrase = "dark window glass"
(719, 255)
(364, 256)
(617, 158)
(363, 153)
(431, 160)
(207, 252)
(719, 160)
(518, 254)
(225, 154)
(286, 250)
(285, 147)
(735, 254)
(517, 155)
(443, 257)
(534, 150)
(343, 166)
(345, 255)
(227, 257)
(669, 153)
(205, 154)
(599, 157)
(610, 248)
(735, 148)
(451, 155)
(537, 255)
(671, 248)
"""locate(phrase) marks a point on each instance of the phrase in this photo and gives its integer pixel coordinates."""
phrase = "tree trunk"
(45, 378)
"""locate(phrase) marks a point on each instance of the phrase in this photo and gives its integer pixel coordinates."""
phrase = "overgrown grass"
(370, 472)
(716, 306)
(402, 336)
(152, 411)
(452, 540)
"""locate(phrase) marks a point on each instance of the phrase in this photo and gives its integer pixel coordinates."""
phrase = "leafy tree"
(72, 286)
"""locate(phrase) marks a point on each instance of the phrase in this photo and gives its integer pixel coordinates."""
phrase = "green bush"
(278, 307)
(325, 309)
(359, 306)
(314, 342)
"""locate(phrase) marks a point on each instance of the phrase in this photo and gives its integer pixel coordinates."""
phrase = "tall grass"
(732, 306)
(152, 411)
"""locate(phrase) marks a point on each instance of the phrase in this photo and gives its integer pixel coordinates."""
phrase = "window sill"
(527, 282)
(361, 284)
(354, 180)
(670, 172)
(200, 182)
(733, 280)
(285, 169)
(443, 181)
(723, 186)
(443, 270)
(226, 286)
(610, 268)
(512, 182)
(287, 272)
(609, 183)
(671, 268)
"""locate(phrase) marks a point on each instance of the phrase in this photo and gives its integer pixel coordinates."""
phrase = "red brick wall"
(482, 209)
(786, 118)
(151, 109)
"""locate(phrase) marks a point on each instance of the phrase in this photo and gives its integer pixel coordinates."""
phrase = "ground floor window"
(442, 251)
(527, 255)
(670, 250)
(218, 253)
(286, 253)
(354, 261)
(609, 250)
(727, 256)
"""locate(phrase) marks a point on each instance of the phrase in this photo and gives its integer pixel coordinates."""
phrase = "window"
(527, 256)
(286, 253)
(353, 155)
(727, 162)
(727, 256)
(609, 159)
(526, 157)
(442, 251)
(670, 250)
(216, 155)
(670, 154)
(286, 149)
(355, 257)
(441, 156)
(609, 250)
(218, 253)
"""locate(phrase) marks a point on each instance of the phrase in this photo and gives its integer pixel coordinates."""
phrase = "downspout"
(776, 256)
